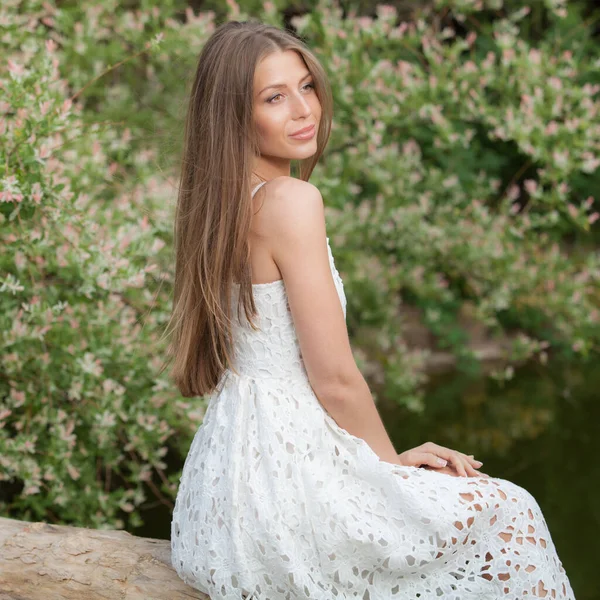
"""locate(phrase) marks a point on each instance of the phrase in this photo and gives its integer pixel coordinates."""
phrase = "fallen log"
(39, 561)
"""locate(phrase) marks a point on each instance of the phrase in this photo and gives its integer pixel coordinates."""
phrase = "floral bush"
(86, 421)
(459, 180)
(469, 165)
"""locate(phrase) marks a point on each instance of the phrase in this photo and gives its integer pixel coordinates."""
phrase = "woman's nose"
(301, 107)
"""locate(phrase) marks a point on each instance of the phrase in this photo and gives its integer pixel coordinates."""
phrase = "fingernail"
(441, 461)
(478, 462)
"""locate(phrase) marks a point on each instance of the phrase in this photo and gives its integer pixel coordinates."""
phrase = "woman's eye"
(308, 85)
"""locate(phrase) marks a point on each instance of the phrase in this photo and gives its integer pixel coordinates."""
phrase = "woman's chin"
(305, 151)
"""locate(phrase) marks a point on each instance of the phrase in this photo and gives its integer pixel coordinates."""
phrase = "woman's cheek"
(262, 131)
(270, 130)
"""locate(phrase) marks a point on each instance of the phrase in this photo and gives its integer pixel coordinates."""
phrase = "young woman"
(292, 487)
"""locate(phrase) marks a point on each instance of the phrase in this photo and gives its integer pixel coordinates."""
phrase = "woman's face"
(285, 101)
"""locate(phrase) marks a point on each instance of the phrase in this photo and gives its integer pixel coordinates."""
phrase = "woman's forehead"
(278, 67)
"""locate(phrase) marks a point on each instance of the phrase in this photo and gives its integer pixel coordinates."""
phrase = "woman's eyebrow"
(282, 85)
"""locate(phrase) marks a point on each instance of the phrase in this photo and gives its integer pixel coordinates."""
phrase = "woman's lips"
(305, 135)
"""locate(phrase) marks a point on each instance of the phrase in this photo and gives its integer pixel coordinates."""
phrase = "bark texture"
(39, 561)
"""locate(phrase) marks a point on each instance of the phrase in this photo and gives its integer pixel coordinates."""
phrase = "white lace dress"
(277, 502)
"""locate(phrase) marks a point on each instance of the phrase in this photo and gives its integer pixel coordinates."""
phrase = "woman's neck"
(256, 179)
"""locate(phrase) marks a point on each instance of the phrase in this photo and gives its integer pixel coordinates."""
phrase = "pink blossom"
(235, 9)
(18, 397)
(572, 124)
(590, 163)
(526, 99)
(555, 83)
(490, 59)
(6, 196)
(36, 192)
(531, 186)
(386, 11)
(402, 28)
(45, 107)
(514, 191)
(563, 187)
(508, 54)
(560, 158)
(590, 89)
(73, 472)
(535, 56)
(15, 68)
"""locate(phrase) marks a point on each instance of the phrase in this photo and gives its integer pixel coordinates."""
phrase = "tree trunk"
(39, 561)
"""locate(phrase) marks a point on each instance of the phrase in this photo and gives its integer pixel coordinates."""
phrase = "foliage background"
(461, 187)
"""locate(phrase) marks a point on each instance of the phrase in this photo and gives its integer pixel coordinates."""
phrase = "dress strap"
(258, 187)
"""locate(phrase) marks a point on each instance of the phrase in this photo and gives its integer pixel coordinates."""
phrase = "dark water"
(540, 431)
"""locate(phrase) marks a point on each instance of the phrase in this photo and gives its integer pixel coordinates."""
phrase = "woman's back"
(277, 501)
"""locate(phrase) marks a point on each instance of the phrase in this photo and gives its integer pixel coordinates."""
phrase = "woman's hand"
(439, 458)
(451, 471)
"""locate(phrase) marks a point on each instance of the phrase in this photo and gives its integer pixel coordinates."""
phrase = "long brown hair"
(214, 206)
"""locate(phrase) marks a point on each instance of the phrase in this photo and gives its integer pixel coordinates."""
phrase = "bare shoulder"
(285, 184)
(289, 205)
(297, 243)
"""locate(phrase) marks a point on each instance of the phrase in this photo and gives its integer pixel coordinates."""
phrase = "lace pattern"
(277, 502)
(274, 351)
